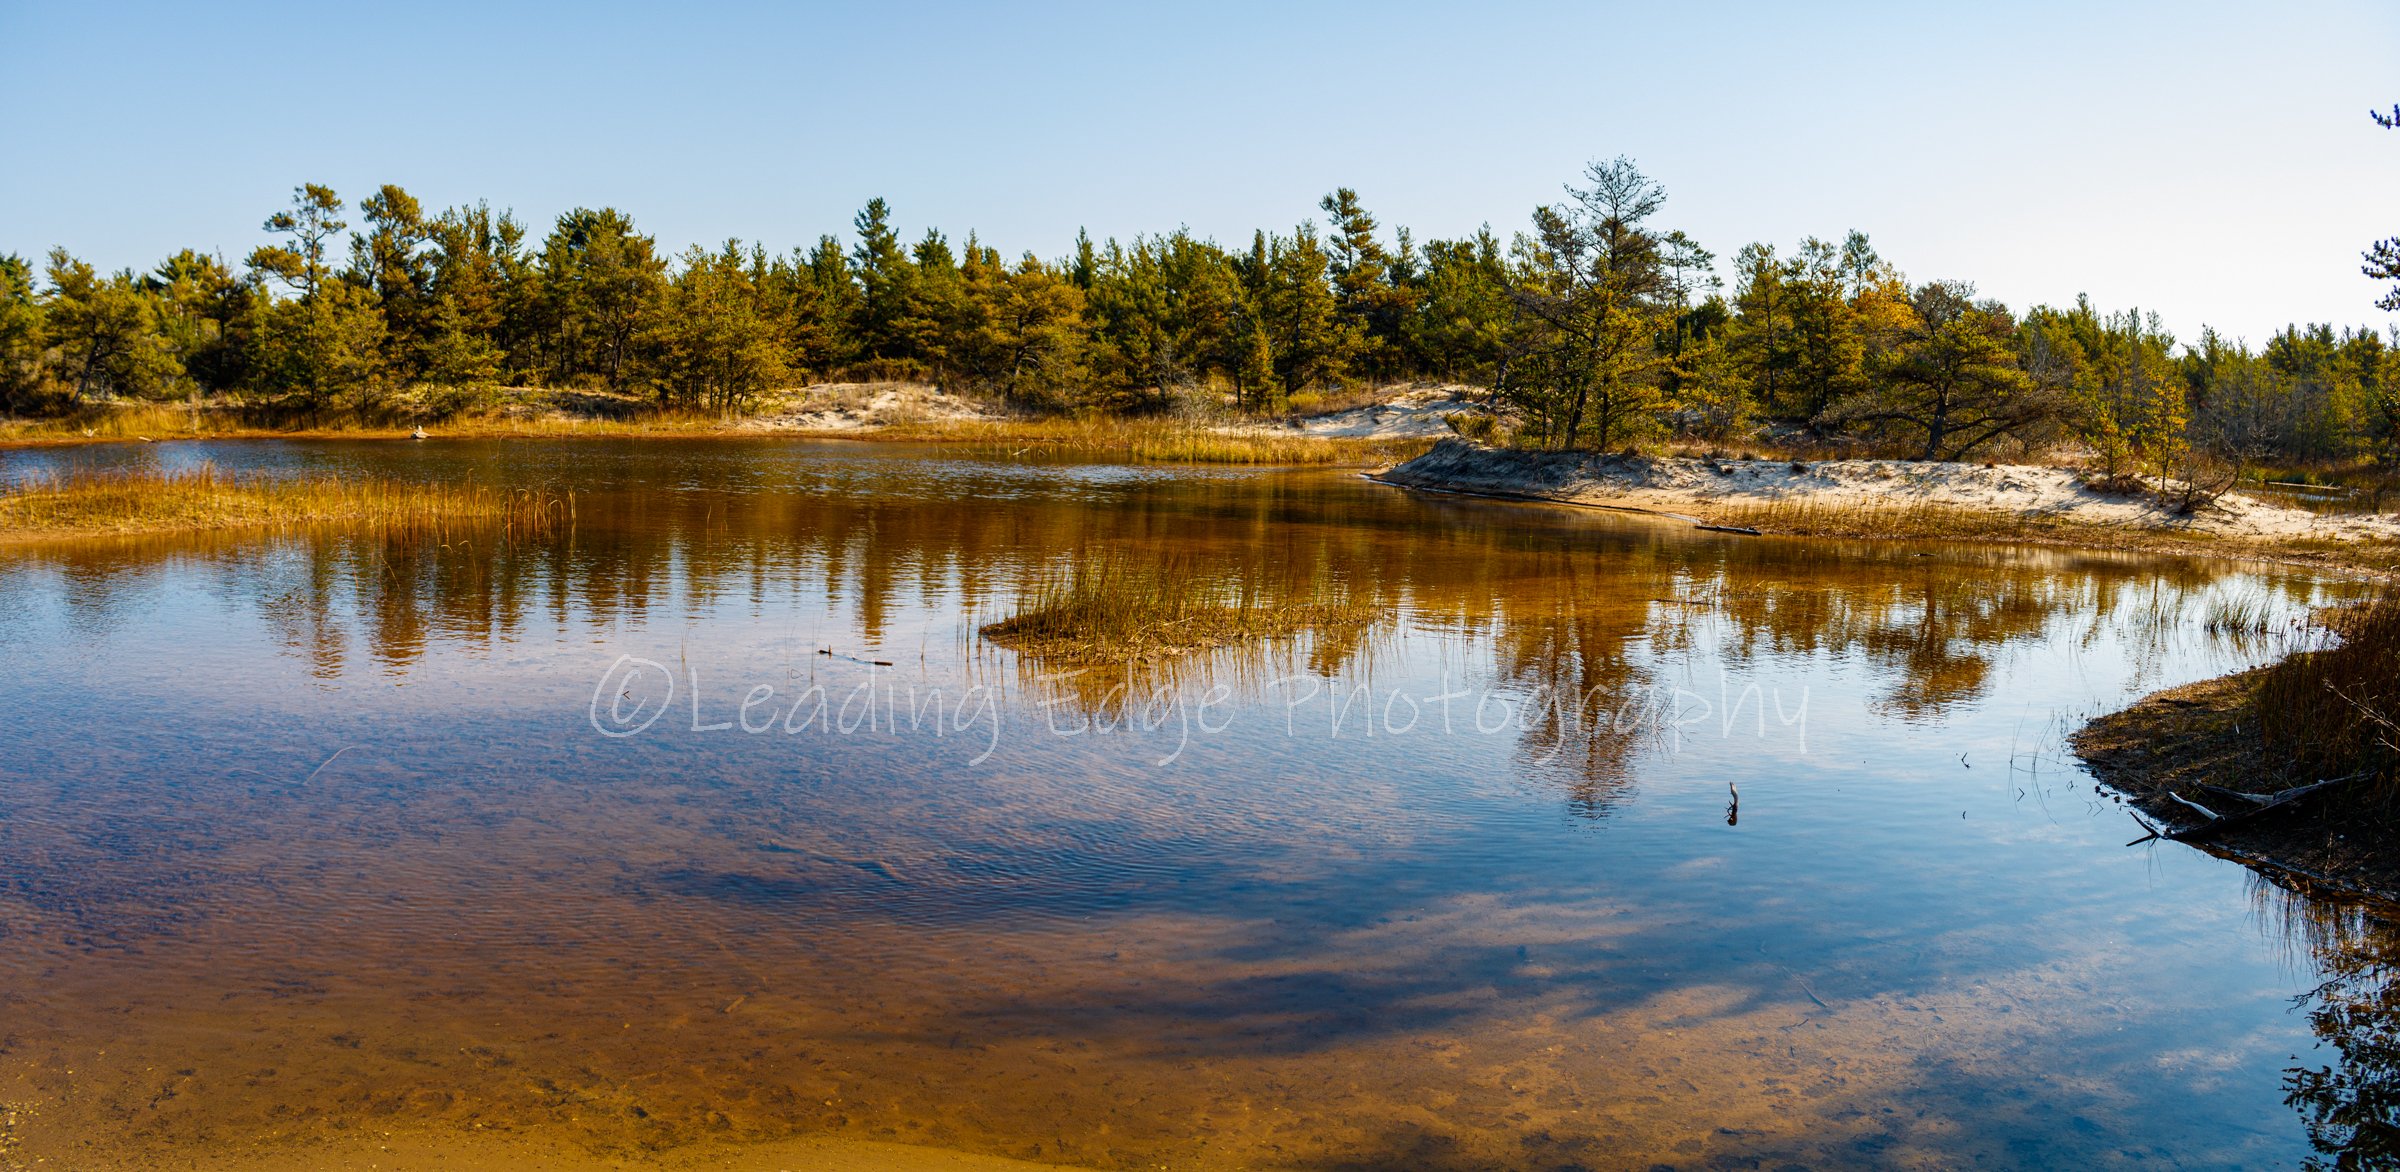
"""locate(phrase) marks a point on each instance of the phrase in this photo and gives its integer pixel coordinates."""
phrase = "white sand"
(863, 407)
(1688, 485)
(1415, 413)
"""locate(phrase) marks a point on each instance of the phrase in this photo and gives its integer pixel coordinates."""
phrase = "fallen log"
(2218, 825)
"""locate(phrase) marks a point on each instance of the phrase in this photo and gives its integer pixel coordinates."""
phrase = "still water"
(1611, 843)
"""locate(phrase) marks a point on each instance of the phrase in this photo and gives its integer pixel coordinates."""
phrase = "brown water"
(314, 838)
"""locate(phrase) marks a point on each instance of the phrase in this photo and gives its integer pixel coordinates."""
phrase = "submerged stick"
(2279, 801)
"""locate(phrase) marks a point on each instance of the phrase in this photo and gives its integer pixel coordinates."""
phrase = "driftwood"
(1742, 529)
(852, 658)
(2217, 825)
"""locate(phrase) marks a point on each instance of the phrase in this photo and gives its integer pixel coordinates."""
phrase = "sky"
(2214, 163)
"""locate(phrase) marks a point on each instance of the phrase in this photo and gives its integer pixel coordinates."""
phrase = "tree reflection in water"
(2350, 1104)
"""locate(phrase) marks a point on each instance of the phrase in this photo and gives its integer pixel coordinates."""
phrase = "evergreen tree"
(106, 331)
(390, 259)
(2383, 256)
(1462, 323)
(886, 281)
(709, 344)
(600, 283)
(312, 223)
(197, 301)
(21, 344)
(1300, 321)
(1956, 384)
(1592, 275)
(1369, 286)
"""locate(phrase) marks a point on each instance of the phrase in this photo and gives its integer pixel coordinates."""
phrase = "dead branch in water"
(2219, 824)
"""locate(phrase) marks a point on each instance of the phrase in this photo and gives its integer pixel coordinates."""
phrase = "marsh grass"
(2244, 614)
(97, 503)
(1132, 439)
(596, 415)
(1869, 518)
(1108, 607)
(2336, 711)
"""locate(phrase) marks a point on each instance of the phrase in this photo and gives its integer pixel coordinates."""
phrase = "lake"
(714, 822)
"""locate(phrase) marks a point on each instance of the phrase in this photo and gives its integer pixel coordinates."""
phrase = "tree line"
(1594, 325)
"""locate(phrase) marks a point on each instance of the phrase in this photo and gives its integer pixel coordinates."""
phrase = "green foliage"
(311, 224)
(106, 331)
(21, 347)
(1594, 326)
(1596, 295)
(322, 351)
(600, 280)
(712, 343)
(1954, 382)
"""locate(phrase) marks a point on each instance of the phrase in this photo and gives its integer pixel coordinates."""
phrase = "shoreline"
(1897, 500)
(2161, 750)
(2157, 752)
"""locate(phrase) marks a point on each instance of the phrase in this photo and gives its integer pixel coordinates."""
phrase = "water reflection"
(308, 832)
(2347, 1090)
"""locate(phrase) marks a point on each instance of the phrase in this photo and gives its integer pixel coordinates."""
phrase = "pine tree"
(390, 260)
(312, 222)
(601, 281)
(1591, 274)
(21, 345)
(106, 331)
(710, 344)
(885, 284)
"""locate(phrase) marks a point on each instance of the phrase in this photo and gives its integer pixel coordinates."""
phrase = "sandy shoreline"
(1733, 489)
(2156, 752)
(1883, 500)
(2186, 743)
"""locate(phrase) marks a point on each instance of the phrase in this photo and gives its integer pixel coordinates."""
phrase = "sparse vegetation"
(1157, 441)
(2297, 764)
(92, 504)
(1110, 607)
(2336, 711)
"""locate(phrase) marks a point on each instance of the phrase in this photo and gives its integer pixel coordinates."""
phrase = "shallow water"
(311, 835)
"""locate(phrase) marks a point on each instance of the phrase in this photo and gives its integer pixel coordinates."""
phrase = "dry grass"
(2336, 711)
(93, 504)
(1152, 441)
(2313, 716)
(593, 414)
(222, 421)
(1872, 520)
(1865, 518)
(1110, 608)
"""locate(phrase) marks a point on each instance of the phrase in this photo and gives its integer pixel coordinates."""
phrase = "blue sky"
(2213, 162)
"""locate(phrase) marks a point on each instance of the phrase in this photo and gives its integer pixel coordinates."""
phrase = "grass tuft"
(1109, 608)
(96, 504)
(2336, 711)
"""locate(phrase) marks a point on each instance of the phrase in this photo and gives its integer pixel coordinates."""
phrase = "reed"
(2243, 614)
(1108, 607)
(1135, 439)
(2336, 711)
(1906, 519)
(97, 503)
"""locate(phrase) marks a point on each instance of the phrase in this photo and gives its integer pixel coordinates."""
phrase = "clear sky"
(2213, 162)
